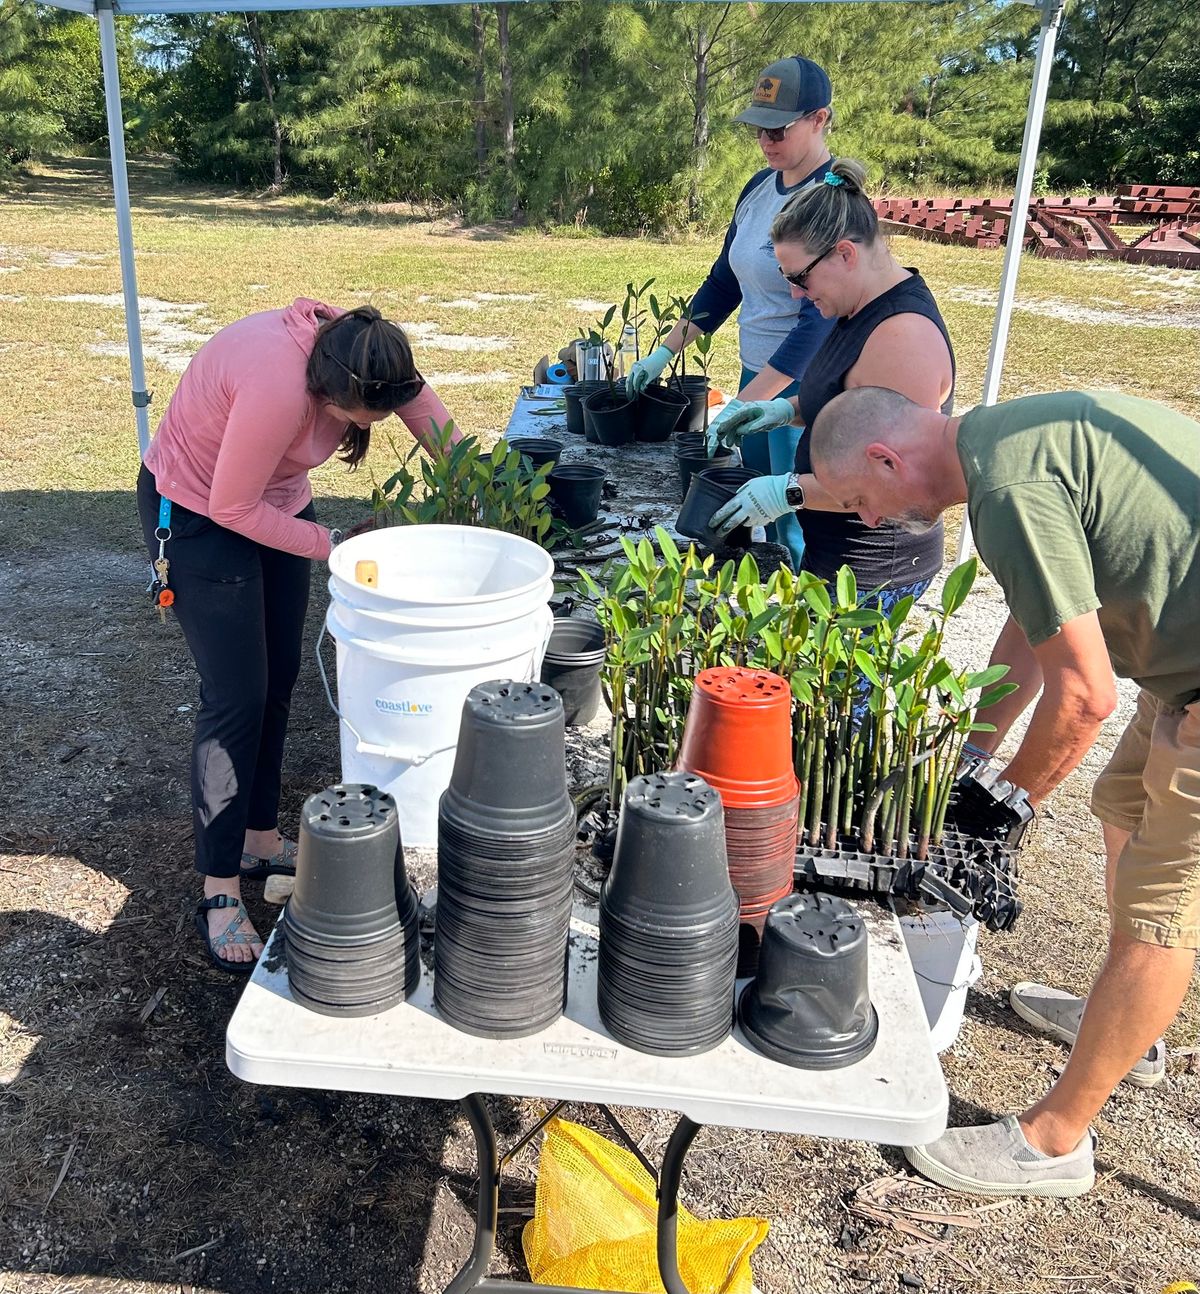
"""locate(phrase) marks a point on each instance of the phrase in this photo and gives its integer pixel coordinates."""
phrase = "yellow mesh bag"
(594, 1219)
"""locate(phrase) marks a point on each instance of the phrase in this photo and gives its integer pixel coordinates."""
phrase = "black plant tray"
(987, 808)
(973, 877)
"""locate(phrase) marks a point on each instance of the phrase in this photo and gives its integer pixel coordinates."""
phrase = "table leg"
(668, 1204)
(487, 1205)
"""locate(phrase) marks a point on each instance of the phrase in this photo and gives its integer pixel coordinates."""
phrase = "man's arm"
(1078, 694)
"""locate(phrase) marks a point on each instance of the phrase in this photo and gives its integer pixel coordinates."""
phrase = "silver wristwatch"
(794, 492)
(335, 538)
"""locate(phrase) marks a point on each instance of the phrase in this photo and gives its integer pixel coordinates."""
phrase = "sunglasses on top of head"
(392, 392)
(800, 278)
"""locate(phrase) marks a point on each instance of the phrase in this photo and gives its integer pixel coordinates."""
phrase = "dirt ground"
(132, 1160)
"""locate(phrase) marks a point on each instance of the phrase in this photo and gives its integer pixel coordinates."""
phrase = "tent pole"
(120, 175)
(1052, 11)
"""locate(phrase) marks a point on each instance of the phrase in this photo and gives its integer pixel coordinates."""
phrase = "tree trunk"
(480, 90)
(506, 107)
(699, 121)
(264, 71)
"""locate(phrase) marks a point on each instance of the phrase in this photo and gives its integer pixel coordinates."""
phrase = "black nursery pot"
(696, 391)
(659, 412)
(574, 397)
(708, 490)
(670, 867)
(575, 490)
(613, 415)
(538, 450)
(809, 1005)
(571, 667)
(350, 865)
(691, 457)
(510, 761)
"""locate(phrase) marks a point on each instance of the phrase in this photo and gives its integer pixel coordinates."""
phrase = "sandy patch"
(585, 303)
(8, 296)
(431, 335)
(168, 337)
(67, 260)
(1054, 308)
(464, 303)
(505, 296)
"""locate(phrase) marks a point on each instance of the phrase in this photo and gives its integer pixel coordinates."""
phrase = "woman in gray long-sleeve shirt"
(777, 335)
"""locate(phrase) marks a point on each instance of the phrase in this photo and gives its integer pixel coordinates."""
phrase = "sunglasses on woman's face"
(776, 134)
(800, 278)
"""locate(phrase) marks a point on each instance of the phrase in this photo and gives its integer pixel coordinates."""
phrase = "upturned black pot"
(659, 412)
(613, 415)
(809, 1004)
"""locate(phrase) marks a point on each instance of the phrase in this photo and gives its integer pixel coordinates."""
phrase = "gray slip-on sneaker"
(1050, 1010)
(997, 1160)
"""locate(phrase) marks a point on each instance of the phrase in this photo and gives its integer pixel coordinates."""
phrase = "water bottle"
(628, 352)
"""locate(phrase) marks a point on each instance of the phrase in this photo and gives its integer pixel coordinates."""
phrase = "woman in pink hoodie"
(262, 402)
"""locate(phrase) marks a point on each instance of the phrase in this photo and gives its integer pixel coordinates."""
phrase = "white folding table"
(895, 1095)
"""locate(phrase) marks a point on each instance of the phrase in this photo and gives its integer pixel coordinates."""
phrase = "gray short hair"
(845, 427)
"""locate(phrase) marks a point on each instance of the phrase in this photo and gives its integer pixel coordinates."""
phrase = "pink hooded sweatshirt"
(241, 431)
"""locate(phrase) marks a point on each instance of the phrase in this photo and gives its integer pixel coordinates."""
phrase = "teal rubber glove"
(648, 370)
(712, 437)
(757, 503)
(747, 418)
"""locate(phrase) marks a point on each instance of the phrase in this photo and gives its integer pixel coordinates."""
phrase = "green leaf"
(866, 666)
(847, 588)
(986, 677)
(958, 585)
(994, 694)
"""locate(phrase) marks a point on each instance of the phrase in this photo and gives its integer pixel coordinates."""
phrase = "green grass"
(68, 425)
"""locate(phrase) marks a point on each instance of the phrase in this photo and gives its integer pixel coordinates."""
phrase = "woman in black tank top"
(889, 333)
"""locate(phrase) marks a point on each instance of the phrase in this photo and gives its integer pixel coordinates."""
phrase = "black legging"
(241, 607)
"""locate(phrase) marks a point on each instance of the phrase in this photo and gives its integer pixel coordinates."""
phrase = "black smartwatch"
(794, 492)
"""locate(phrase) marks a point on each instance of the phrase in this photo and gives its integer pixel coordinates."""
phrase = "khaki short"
(1151, 787)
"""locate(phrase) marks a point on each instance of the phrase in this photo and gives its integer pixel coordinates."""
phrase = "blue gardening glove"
(648, 370)
(757, 503)
(743, 418)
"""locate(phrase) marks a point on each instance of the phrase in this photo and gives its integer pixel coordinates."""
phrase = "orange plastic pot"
(738, 737)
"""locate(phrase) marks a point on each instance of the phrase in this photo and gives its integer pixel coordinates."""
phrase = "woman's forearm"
(766, 385)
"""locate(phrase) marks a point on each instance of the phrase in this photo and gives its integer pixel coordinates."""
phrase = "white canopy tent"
(105, 12)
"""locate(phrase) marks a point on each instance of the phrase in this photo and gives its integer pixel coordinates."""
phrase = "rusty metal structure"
(1067, 228)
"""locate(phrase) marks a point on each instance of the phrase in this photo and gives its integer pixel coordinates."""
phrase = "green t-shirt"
(1090, 501)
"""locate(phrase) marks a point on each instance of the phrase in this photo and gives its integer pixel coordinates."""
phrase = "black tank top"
(886, 556)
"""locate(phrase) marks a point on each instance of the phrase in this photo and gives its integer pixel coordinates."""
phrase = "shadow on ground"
(130, 1151)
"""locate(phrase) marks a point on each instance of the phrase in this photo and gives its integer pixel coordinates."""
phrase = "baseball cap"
(790, 88)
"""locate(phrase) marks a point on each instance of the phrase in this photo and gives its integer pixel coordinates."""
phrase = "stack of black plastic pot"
(668, 920)
(350, 926)
(506, 851)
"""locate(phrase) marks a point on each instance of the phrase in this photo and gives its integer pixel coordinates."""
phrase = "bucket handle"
(397, 753)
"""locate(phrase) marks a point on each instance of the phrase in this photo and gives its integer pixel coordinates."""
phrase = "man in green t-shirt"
(1086, 508)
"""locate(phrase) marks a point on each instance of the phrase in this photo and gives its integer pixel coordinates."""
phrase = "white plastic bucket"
(454, 606)
(941, 948)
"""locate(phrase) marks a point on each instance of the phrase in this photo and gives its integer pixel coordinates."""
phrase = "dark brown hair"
(360, 360)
